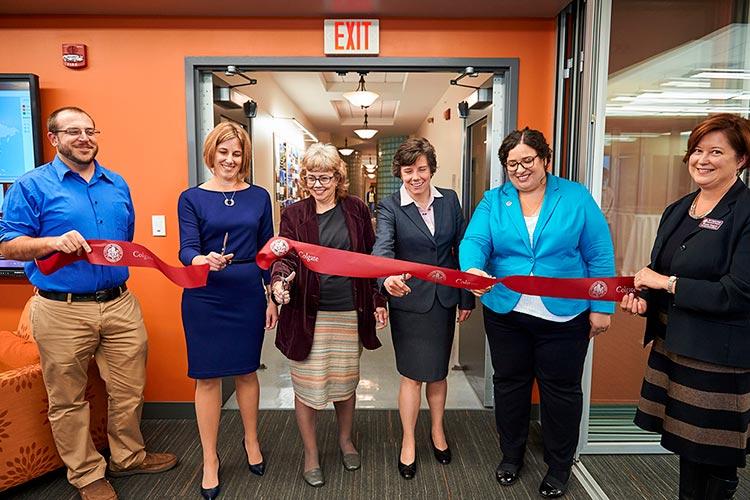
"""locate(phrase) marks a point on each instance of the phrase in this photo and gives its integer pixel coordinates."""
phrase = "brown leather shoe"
(152, 464)
(98, 490)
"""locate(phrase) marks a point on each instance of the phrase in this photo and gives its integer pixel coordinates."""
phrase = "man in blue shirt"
(82, 310)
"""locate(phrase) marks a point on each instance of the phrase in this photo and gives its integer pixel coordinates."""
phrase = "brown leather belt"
(98, 296)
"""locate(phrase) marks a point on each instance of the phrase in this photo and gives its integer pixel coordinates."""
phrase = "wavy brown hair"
(225, 132)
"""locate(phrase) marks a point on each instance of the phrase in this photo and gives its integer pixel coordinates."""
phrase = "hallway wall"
(135, 89)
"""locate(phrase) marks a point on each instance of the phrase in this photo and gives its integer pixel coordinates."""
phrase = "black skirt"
(701, 410)
(422, 341)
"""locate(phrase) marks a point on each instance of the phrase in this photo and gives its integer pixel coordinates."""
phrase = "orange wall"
(134, 89)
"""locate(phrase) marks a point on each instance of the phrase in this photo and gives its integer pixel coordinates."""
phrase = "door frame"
(195, 89)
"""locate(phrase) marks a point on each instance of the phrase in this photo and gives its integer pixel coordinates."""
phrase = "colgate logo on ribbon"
(279, 247)
(437, 275)
(113, 253)
(308, 256)
(598, 289)
(141, 255)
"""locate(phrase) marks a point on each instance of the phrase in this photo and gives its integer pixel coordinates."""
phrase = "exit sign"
(344, 37)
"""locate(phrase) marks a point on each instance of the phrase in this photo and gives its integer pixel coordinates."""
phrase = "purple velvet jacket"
(294, 333)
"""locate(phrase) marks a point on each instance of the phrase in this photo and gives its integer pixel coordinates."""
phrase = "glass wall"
(671, 64)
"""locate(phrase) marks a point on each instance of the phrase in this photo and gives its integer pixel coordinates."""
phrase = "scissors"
(224, 245)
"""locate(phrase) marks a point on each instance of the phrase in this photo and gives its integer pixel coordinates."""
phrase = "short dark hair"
(532, 138)
(409, 152)
(735, 128)
(52, 120)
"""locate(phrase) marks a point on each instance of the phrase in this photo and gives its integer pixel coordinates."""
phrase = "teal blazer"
(571, 240)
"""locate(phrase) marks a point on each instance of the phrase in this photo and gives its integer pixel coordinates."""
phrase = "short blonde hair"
(227, 131)
(321, 157)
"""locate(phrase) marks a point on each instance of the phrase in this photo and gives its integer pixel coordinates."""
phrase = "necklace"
(692, 213)
(229, 200)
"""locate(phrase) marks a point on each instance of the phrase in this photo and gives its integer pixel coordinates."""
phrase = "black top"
(335, 291)
(709, 314)
(673, 243)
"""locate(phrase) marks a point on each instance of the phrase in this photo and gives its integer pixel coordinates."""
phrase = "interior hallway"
(378, 385)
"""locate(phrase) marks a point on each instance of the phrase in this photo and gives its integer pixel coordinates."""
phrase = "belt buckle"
(101, 295)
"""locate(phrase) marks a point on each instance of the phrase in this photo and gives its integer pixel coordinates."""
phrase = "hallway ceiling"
(292, 8)
(405, 100)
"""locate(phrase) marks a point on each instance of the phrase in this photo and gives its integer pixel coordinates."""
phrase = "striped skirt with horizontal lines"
(701, 410)
(331, 371)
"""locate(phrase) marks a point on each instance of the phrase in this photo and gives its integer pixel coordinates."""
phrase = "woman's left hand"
(648, 278)
(381, 317)
(463, 315)
(599, 323)
(272, 315)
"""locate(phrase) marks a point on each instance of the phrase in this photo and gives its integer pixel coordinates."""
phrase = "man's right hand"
(70, 242)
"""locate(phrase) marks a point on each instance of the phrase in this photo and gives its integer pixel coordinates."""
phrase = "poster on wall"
(287, 166)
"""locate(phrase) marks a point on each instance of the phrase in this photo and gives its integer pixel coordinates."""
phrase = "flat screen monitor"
(20, 140)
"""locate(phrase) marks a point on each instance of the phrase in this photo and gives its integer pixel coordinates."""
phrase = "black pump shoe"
(552, 487)
(407, 471)
(507, 473)
(212, 493)
(442, 456)
(257, 469)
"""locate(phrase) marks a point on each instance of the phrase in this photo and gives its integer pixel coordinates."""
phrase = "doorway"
(379, 379)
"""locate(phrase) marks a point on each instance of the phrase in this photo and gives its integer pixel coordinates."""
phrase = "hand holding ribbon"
(356, 265)
(124, 253)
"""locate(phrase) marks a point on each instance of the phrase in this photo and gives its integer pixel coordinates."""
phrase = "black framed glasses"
(323, 179)
(77, 132)
(527, 162)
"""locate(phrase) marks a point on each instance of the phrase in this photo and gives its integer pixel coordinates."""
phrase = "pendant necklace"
(229, 200)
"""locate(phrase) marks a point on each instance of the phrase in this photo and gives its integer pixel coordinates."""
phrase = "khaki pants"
(68, 335)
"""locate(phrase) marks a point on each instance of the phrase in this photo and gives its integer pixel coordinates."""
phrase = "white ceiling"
(405, 100)
(449, 9)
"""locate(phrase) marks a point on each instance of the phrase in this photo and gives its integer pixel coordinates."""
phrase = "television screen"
(20, 140)
(20, 132)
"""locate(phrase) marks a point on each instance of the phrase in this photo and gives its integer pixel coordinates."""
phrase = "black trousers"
(524, 347)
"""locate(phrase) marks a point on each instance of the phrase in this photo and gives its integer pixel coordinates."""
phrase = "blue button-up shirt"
(52, 200)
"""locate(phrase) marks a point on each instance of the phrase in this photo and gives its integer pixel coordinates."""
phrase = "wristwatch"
(670, 284)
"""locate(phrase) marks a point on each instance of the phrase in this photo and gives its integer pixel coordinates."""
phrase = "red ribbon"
(356, 265)
(124, 253)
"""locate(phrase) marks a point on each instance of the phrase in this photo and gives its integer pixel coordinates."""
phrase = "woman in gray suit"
(421, 223)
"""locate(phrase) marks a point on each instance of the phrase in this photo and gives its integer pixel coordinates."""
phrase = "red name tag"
(712, 224)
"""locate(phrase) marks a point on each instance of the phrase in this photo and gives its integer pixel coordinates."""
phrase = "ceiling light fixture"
(361, 97)
(366, 132)
(346, 150)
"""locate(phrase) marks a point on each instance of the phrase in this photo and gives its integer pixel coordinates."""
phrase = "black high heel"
(442, 456)
(213, 493)
(407, 471)
(257, 469)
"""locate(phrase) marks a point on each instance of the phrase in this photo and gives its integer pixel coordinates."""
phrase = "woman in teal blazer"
(542, 225)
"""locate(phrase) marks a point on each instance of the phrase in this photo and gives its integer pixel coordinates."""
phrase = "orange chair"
(27, 449)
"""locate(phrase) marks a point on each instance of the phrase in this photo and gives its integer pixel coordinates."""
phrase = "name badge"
(712, 224)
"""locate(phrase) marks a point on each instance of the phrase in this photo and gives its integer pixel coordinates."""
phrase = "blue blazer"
(571, 240)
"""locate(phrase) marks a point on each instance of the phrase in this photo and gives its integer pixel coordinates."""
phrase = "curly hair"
(321, 157)
(532, 138)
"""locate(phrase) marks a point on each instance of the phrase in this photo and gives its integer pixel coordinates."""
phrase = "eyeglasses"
(527, 162)
(323, 179)
(77, 132)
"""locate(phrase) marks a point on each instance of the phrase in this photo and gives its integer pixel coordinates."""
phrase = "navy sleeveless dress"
(224, 321)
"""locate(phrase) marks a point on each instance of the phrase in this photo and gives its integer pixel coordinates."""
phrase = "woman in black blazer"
(421, 223)
(695, 294)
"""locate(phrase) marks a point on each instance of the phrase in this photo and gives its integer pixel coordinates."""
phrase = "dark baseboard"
(169, 410)
(184, 409)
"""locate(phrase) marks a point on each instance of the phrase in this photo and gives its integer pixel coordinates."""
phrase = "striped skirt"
(331, 370)
(701, 410)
